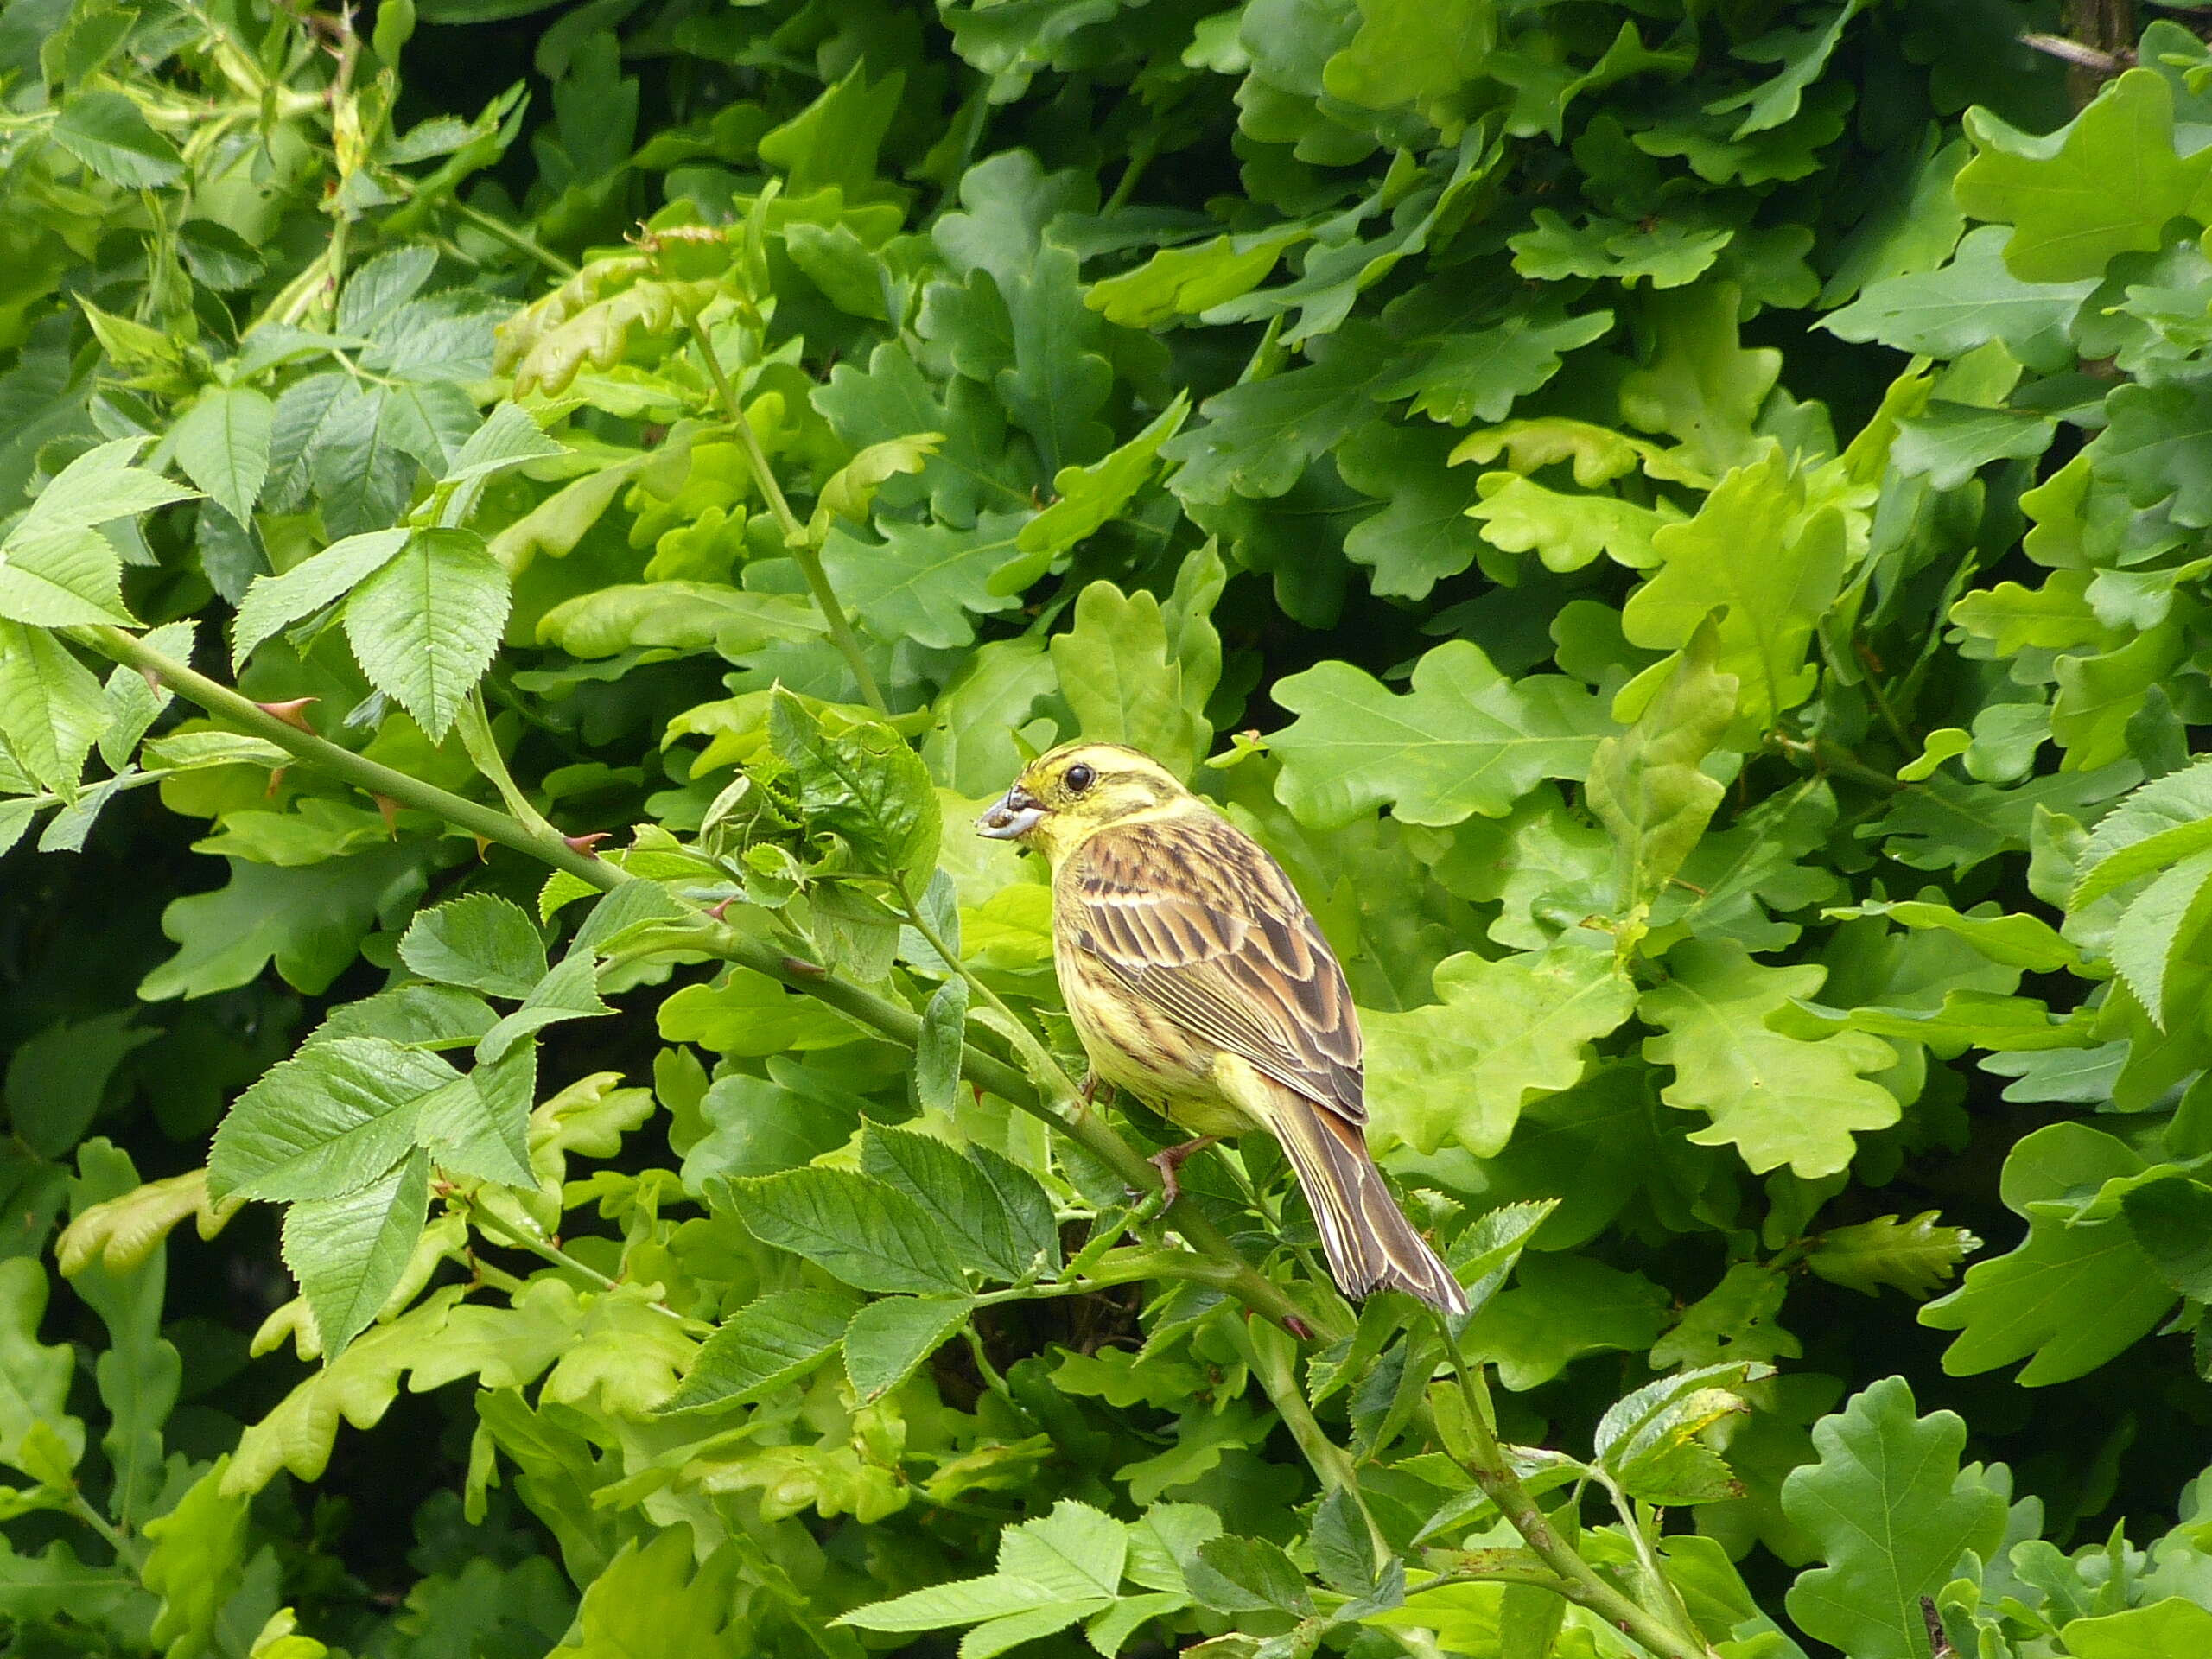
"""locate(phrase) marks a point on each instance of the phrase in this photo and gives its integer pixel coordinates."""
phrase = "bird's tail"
(1369, 1242)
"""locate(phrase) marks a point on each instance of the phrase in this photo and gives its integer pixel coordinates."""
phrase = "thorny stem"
(1227, 1269)
(802, 549)
(1584, 1587)
(242, 712)
(1268, 1362)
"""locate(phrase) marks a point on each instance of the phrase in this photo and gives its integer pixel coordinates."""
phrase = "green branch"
(1579, 1581)
(893, 1020)
(237, 709)
(802, 547)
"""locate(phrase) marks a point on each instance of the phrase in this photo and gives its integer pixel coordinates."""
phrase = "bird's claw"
(1170, 1160)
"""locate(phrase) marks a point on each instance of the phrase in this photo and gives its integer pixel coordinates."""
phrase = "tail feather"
(1369, 1242)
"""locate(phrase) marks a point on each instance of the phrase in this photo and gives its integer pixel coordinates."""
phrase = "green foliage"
(1695, 519)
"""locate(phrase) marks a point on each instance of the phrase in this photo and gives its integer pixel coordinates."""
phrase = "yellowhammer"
(1199, 982)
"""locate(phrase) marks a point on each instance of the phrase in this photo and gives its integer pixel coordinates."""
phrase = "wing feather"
(1193, 916)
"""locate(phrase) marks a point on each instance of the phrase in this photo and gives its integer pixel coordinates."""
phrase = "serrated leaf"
(762, 1346)
(1464, 739)
(349, 1252)
(509, 437)
(868, 1234)
(480, 941)
(222, 443)
(326, 1122)
(51, 710)
(888, 1340)
(427, 624)
(861, 783)
(938, 1051)
(989, 1215)
(569, 991)
(106, 131)
(275, 602)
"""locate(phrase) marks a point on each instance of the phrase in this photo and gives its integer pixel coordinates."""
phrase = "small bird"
(1199, 981)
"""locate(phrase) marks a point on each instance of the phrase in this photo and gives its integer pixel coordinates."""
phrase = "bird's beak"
(1012, 815)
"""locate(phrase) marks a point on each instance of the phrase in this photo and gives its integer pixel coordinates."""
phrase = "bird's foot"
(1171, 1159)
(1094, 1089)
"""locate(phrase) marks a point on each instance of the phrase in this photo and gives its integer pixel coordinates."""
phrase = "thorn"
(390, 809)
(802, 968)
(153, 680)
(483, 848)
(276, 777)
(289, 712)
(717, 912)
(586, 844)
(1297, 1327)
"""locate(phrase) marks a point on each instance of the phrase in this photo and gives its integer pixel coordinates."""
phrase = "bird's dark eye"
(1080, 777)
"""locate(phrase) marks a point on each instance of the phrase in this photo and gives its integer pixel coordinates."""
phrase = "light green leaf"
(888, 1340)
(479, 1125)
(1464, 739)
(2105, 184)
(222, 443)
(51, 710)
(851, 489)
(427, 625)
(1138, 672)
(276, 601)
(1646, 785)
(197, 1562)
(1089, 496)
(762, 1346)
(349, 1252)
(1773, 602)
(1506, 1033)
(1776, 1099)
(2164, 822)
(1703, 388)
(1893, 1513)
(2174, 1628)
(686, 616)
(1566, 532)
(480, 941)
(571, 991)
(1916, 1256)
(62, 578)
(1412, 53)
(34, 1377)
(328, 1121)
(2157, 926)
(509, 437)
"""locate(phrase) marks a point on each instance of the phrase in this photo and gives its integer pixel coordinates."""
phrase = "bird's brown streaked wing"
(1194, 917)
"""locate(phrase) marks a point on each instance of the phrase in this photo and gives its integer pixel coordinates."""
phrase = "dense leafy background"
(1683, 526)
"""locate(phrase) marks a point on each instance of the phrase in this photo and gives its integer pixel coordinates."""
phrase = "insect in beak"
(1012, 815)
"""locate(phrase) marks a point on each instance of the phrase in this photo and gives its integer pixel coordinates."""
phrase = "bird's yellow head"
(1064, 797)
